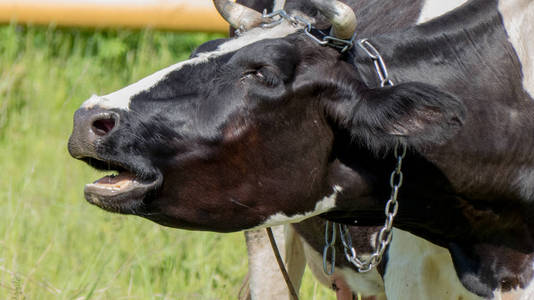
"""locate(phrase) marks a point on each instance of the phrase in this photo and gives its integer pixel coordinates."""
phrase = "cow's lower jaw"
(122, 193)
(113, 183)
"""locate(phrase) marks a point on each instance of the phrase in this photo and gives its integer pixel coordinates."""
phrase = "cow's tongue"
(120, 181)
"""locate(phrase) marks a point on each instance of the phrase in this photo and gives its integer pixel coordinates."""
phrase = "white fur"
(121, 98)
(518, 17)
(524, 183)
(435, 8)
(266, 280)
(294, 256)
(322, 206)
(367, 284)
(418, 269)
(517, 294)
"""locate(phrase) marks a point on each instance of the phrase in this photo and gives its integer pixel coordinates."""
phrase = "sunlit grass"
(53, 244)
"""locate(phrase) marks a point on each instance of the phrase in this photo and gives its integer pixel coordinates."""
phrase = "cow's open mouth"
(123, 191)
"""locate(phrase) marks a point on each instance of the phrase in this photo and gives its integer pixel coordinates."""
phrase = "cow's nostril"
(103, 126)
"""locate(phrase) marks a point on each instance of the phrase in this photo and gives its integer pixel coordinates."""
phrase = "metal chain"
(330, 241)
(396, 178)
(327, 40)
(378, 61)
(385, 234)
(395, 182)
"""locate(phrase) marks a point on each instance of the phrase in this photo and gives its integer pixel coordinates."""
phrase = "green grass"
(53, 244)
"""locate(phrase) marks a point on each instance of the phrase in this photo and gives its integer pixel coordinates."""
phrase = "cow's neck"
(490, 162)
(474, 194)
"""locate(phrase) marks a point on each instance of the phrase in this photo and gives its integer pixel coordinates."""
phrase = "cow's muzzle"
(90, 127)
(125, 190)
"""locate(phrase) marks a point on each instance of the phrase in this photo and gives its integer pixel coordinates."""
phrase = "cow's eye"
(262, 76)
(254, 74)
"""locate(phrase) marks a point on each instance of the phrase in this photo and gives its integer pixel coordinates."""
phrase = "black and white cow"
(419, 269)
(270, 128)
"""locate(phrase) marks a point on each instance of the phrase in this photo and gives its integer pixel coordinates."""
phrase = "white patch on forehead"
(435, 8)
(121, 98)
(518, 17)
(322, 206)
(257, 34)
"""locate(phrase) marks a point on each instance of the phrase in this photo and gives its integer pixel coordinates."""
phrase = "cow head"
(243, 133)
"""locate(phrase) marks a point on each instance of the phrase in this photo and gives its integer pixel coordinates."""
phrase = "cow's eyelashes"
(254, 74)
(262, 76)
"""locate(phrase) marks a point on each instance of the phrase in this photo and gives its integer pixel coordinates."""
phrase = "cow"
(415, 268)
(428, 267)
(271, 127)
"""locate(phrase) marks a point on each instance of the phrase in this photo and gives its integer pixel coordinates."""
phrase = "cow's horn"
(340, 15)
(239, 16)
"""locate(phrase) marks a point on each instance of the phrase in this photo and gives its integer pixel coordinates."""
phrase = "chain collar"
(392, 206)
(384, 235)
(323, 39)
(378, 61)
(396, 179)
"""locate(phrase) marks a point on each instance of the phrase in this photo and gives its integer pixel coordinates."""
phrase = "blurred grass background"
(53, 244)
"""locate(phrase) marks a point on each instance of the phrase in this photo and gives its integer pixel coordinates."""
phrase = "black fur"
(271, 127)
(416, 113)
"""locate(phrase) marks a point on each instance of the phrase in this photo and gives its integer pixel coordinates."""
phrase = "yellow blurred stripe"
(177, 16)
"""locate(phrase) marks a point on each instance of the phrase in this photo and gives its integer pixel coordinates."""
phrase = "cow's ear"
(419, 113)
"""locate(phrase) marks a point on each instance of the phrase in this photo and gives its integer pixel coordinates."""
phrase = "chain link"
(378, 61)
(273, 21)
(330, 241)
(385, 233)
(396, 178)
(327, 40)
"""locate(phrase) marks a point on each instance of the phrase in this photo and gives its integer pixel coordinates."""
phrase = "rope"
(290, 286)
